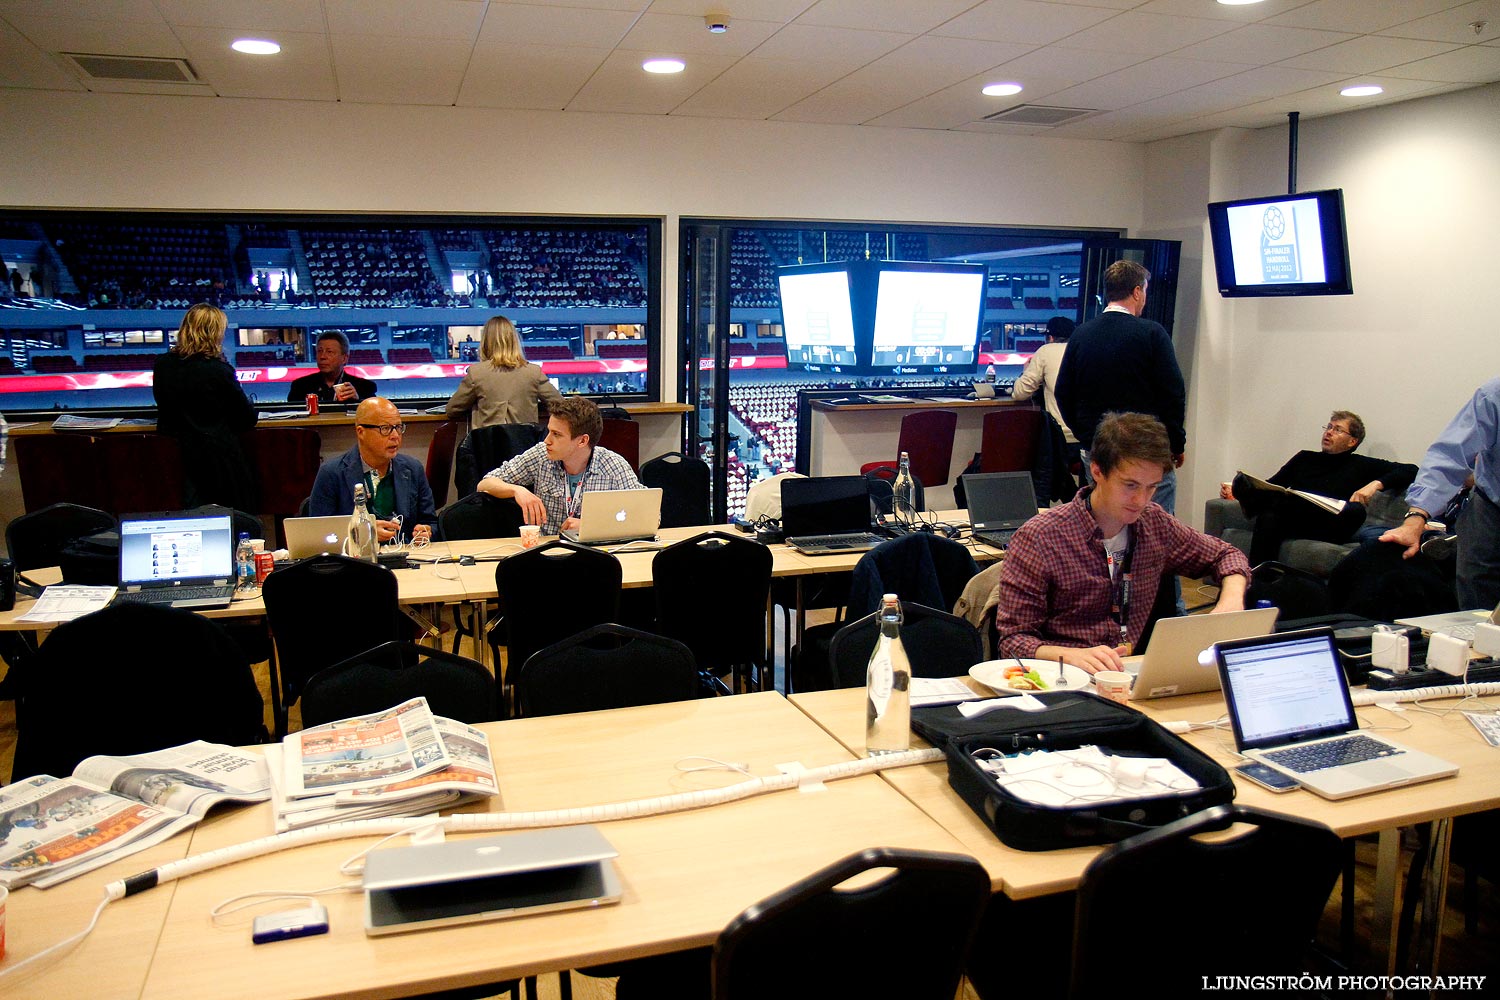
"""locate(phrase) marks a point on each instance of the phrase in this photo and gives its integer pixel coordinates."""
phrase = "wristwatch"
(1412, 512)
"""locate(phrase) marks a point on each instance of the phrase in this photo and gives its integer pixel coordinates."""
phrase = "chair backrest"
(286, 461)
(880, 483)
(131, 679)
(927, 437)
(607, 666)
(486, 448)
(1275, 878)
(937, 644)
(921, 567)
(143, 472)
(623, 437)
(379, 678)
(440, 460)
(684, 482)
(814, 939)
(37, 539)
(554, 591)
(711, 596)
(325, 609)
(57, 468)
(1008, 440)
(480, 515)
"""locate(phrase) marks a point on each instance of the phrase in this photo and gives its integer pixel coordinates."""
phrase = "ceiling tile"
(758, 88)
(1148, 34)
(620, 85)
(22, 64)
(1372, 15)
(1450, 25)
(1264, 82)
(114, 38)
(143, 11)
(302, 70)
(1367, 54)
(1262, 43)
(452, 19)
(1218, 11)
(538, 77)
(909, 16)
(528, 24)
(1023, 21)
(679, 34)
(375, 69)
(1142, 82)
(1471, 64)
(250, 15)
(847, 47)
(754, 10)
(1045, 71)
(639, 6)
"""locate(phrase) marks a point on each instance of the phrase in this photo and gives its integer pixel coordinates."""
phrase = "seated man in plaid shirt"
(549, 479)
(1079, 580)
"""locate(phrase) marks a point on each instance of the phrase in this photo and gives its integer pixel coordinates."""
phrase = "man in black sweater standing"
(1335, 472)
(1120, 363)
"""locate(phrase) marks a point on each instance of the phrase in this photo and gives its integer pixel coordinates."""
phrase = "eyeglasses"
(384, 430)
(1337, 429)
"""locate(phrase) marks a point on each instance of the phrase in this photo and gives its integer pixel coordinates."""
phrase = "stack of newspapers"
(403, 761)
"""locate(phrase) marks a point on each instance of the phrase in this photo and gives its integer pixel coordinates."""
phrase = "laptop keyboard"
(1333, 753)
(850, 540)
(998, 539)
(171, 596)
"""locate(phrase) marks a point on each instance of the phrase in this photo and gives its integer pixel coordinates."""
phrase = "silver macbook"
(1458, 624)
(488, 878)
(311, 536)
(1289, 704)
(1170, 664)
(609, 516)
(181, 559)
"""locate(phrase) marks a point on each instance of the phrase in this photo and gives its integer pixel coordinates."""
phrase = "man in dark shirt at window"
(330, 382)
(1335, 472)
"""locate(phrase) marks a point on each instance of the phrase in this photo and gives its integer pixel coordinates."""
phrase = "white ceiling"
(1150, 68)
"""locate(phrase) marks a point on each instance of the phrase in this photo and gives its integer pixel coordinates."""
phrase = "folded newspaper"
(52, 829)
(403, 761)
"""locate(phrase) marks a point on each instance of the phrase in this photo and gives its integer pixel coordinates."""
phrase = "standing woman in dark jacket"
(199, 402)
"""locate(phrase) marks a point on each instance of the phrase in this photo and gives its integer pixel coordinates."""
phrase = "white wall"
(1421, 183)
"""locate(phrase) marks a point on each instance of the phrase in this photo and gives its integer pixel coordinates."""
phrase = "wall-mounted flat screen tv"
(1292, 244)
(927, 316)
(817, 316)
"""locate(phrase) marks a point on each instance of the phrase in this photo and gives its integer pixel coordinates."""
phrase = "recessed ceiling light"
(1238, 3)
(1001, 89)
(663, 65)
(1363, 90)
(255, 46)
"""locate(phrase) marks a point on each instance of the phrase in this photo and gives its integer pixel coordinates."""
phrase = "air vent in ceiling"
(1038, 114)
(139, 69)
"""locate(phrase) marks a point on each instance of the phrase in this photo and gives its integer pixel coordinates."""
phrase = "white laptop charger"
(1390, 650)
(1487, 639)
(1447, 654)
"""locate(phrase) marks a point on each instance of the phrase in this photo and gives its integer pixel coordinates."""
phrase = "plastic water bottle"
(903, 504)
(888, 686)
(361, 542)
(244, 564)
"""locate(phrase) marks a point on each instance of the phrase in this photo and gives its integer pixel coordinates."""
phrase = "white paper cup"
(257, 545)
(1113, 684)
(531, 535)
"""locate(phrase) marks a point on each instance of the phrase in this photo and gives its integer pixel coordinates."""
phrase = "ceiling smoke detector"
(716, 22)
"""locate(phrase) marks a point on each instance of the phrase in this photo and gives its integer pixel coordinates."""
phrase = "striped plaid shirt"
(1055, 587)
(547, 479)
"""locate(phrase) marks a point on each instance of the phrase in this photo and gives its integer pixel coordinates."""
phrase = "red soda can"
(264, 563)
(312, 404)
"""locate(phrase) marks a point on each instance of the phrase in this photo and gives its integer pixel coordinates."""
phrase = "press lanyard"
(574, 501)
(1119, 587)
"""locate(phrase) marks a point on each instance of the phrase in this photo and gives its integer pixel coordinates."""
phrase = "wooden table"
(685, 875)
(1024, 874)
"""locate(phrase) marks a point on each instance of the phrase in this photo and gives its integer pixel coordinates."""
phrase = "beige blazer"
(500, 395)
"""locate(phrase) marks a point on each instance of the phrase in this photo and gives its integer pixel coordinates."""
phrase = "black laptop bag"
(1071, 720)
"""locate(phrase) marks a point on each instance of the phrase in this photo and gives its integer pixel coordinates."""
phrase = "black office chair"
(607, 666)
(684, 482)
(322, 611)
(132, 679)
(36, 540)
(479, 515)
(711, 596)
(455, 686)
(548, 594)
(486, 448)
(1274, 881)
(937, 644)
(814, 939)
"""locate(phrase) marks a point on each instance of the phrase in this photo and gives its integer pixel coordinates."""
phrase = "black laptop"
(999, 503)
(827, 515)
(180, 559)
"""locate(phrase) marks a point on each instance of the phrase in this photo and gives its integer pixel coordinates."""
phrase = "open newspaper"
(403, 761)
(1326, 503)
(52, 829)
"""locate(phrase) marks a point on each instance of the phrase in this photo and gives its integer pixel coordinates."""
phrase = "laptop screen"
(994, 497)
(1285, 689)
(165, 548)
(826, 505)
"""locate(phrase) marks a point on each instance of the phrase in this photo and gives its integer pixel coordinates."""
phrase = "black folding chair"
(711, 596)
(393, 672)
(937, 644)
(607, 666)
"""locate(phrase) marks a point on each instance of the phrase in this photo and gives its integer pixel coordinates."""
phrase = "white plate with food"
(1039, 675)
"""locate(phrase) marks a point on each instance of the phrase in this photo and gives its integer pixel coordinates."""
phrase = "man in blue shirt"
(1469, 444)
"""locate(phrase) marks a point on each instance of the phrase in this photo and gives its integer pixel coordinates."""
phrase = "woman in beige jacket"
(502, 387)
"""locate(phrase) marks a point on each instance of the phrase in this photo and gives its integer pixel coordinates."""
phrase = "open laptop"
(1458, 624)
(827, 515)
(999, 503)
(1170, 664)
(487, 878)
(610, 516)
(185, 560)
(1289, 704)
(310, 536)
